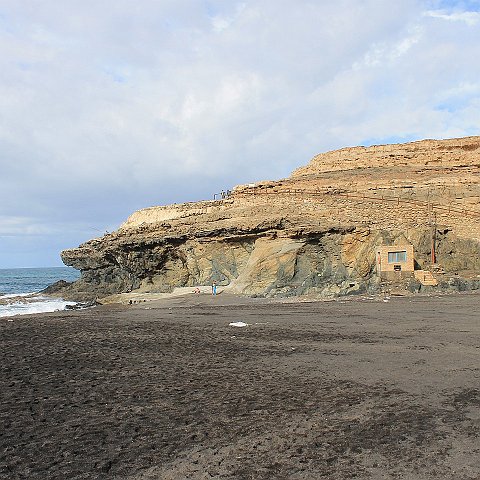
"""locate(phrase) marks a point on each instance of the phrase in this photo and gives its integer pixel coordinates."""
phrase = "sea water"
(20, 287)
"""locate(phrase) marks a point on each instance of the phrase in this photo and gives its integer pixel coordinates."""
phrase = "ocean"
(19, 289)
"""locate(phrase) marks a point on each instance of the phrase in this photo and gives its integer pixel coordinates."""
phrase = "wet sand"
(168, 390)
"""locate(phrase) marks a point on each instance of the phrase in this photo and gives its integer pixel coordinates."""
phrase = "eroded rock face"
(313, 233)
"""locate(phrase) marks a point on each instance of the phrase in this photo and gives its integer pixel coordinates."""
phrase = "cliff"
(314, 233)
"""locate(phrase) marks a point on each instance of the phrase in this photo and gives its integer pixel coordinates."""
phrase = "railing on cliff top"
(433, 207)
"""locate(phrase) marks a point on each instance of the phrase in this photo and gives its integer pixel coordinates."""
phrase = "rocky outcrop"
(314, 233)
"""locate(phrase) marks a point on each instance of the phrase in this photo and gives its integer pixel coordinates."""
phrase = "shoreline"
(222, 298)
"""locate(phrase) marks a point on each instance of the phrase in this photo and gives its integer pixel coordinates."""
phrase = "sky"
(108, 107)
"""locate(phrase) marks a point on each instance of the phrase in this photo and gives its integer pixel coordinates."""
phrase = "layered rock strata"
(313, 233)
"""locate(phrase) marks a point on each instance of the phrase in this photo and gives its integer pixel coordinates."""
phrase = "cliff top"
(417, 174)
(452, 152)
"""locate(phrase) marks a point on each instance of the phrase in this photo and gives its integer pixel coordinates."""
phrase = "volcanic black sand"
(347, 389)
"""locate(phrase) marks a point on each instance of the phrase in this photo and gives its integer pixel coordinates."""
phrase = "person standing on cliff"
(214, 288)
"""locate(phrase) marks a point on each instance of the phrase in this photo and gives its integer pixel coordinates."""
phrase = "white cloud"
(470, 18)
(220, 24)
(379, 54)
(223, 22)
(24, 226)
(105, 109)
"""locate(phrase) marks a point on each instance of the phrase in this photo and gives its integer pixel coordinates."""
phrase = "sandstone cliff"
(313, 233)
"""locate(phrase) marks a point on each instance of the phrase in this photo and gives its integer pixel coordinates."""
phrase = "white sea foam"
(13, 295)
(34, 304)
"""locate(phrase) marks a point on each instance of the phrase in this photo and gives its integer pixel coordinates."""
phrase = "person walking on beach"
(214, 288)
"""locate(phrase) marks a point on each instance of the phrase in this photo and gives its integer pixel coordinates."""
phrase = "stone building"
(395, 258)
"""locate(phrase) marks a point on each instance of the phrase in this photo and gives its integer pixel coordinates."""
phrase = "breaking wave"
(12, 305)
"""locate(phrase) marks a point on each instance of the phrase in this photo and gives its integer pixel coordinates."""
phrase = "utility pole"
(434, 234)
(432, 221)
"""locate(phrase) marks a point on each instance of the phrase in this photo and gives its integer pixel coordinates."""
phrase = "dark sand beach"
(168, 390)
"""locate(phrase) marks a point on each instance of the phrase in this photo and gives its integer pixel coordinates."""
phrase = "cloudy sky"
(107, 107)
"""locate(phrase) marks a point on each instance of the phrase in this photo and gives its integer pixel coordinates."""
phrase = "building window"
(396, 257)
